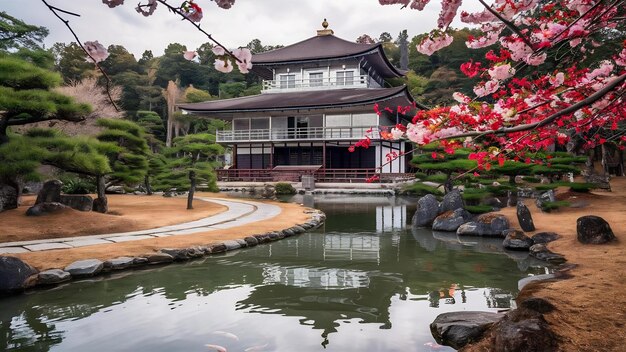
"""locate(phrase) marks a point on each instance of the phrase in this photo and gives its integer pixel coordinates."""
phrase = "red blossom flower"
(471, 69)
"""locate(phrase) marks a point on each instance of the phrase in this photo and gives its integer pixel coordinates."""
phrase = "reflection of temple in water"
(390, 218)
(325, 278)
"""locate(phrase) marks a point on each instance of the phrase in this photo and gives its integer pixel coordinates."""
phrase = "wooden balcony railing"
(322, 175)
(287, 85)
(294, 134)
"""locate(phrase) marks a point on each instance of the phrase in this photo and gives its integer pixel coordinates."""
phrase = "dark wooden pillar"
(324, 155)
(235, 156)
(271, 155)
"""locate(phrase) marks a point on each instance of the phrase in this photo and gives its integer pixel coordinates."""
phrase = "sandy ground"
(126, 213)
(591, 306)
(291, 214)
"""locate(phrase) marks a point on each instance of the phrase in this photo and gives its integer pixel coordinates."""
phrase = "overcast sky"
(272, 21)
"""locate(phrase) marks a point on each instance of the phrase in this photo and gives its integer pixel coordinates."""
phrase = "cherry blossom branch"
(571, 109)
(198, 27)
(54, 10)
(508, 23)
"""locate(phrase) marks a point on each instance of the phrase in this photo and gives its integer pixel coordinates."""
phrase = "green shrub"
(530, 179)
(421, 189)
(474, 194)
(478, 209)
(284, 188)
(550, 206)
(547, 186)
(500, 190)
(420, 175)
(581, 186)
(439, 178)
(77, 185)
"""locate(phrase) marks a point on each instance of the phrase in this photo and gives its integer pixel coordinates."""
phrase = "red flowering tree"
(520, 106)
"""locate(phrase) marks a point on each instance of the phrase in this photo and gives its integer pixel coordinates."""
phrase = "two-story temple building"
(318, 98)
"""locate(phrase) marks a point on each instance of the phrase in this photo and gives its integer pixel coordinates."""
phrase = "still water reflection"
(363, 282)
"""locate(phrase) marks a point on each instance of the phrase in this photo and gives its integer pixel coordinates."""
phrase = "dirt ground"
(126, 213)
(291, 214)
(591, 306)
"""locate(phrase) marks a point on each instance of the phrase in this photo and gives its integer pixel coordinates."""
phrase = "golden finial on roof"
(325, 31)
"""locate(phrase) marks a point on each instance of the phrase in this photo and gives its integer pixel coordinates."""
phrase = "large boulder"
(451, 201)
(451, 220)
(489, 224)
(524, 330)
(8, 197)
(545, 237)
(84, 268)
(45, 208)
(592, 229)
(15, 275)
(544, 197)
(427, 210)
(541, 252)
(516, 240)
(100, 205)
(78, 202)
(53, 276)
(456, 329)
(524, 217)
(50, 192)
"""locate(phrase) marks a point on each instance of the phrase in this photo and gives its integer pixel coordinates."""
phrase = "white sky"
(272, 21)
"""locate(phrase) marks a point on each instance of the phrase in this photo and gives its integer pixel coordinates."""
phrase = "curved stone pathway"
(240, 212)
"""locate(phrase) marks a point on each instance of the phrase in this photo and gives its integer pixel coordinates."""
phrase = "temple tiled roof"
(324, 99)
(328, 47)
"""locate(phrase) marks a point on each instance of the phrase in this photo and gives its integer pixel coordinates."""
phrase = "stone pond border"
(25, 277)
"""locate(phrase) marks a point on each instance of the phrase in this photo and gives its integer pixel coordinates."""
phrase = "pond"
(365, 281)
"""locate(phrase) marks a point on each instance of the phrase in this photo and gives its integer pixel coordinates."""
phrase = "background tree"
(26, 98)
(14, 33)
(403, 45)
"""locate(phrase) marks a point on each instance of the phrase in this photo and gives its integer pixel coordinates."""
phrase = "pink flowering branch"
(508, 23)
(199, 28)
(55, 10)
(569, 110)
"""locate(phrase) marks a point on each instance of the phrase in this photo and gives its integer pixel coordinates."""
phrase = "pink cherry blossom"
(225, 4)
(536, 60)
(244, 57)
(431, 44)
(419, 4)
(190, 55)
(396, 133)
(148, 8)
(113, 3)
(224, 66)
(501, 72)
(557, 80)
(96, 51)
(477, 17)
(218, 50)
(461, 98)
(418, 134)
(487, 88)
(448, 12)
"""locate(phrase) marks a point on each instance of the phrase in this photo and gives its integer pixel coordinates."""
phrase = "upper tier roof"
(328, 47)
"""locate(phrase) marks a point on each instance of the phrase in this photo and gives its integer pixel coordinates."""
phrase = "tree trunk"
(4, 125)
(100, 204)
(192, 189)
(147, 184)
